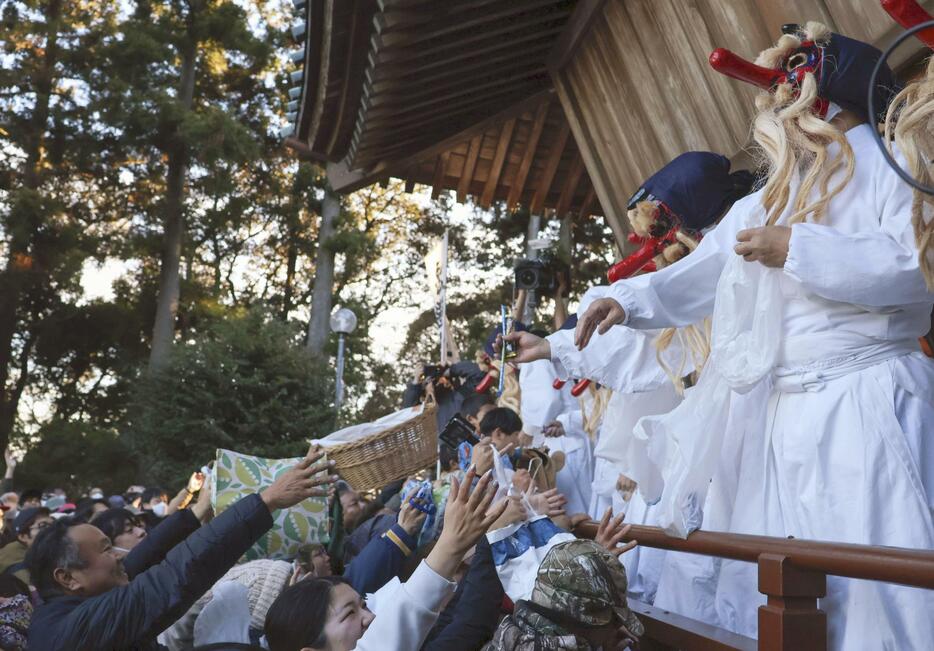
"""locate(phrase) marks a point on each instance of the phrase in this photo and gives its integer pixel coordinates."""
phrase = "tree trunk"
(18, 273)
(291, 263)
(319, 323)
(163, 330)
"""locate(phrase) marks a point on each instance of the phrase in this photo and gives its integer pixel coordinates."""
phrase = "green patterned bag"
(238, 475)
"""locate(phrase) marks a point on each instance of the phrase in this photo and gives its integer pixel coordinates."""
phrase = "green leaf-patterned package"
(237, 475)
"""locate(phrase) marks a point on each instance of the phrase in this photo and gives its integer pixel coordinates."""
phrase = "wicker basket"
(396, 453)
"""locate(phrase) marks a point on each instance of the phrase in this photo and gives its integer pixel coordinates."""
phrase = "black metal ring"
(906, 177)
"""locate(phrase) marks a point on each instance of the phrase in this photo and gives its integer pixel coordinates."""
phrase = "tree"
(246, 384)
(58, 190)
(184, 94)
(76, 457)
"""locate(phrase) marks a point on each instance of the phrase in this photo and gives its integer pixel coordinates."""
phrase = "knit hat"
(265, 579)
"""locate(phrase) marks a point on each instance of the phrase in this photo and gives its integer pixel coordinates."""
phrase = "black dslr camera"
(541, 274)
(456, 432)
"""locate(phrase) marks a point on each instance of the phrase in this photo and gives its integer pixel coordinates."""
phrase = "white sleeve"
(683, 293)
(573, 423)
(873, 269)
(539, 402)
(623, 359)
(405, 617)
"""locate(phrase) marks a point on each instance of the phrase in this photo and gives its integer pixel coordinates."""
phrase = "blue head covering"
(570, 323)
(697, 186)
(845, 74)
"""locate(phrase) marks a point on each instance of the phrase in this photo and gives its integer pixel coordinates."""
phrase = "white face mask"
(97, 496)
(159, 509)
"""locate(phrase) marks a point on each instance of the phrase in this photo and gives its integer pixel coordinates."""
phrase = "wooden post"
(791, 621)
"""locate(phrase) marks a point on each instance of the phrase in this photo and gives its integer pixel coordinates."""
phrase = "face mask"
(97, 496)
(159, 509)
(120, 549)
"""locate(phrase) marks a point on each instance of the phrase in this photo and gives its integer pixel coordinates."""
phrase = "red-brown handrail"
(912, 567)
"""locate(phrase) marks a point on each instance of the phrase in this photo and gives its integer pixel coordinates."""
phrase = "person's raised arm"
(160, 595)
(7, 484)
(678, 295)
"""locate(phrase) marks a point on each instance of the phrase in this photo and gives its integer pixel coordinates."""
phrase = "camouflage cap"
(585, 581)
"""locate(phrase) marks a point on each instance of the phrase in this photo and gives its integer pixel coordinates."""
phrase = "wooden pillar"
(791, 621)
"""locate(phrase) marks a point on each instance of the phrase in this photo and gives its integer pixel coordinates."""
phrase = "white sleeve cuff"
(428, 588)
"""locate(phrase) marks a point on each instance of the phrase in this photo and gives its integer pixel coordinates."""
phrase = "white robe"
(625, 361)
(542, 404)
(838, 444)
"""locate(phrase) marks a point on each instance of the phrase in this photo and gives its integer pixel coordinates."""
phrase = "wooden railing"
(792, 575)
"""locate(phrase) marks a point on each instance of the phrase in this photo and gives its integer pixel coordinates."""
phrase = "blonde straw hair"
(794, 140)
(910, 119)
(512, 394)
(594, 418)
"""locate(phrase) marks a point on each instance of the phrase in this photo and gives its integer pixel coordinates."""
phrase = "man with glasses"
(27, 525)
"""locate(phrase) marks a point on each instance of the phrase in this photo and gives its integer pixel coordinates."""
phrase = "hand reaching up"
(550, 503)
(308, 478)
(411, 519)
(467, 517)
(611, 532)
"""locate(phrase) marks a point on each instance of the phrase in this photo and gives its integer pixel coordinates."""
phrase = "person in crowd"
(503, 427)
(90, 601)
(475, 407)
(30, 497)
(27, 525)
(6, 485)
(154, 504)
(15, 612)
(327, 613)
(87, 507)
(578, 604)
(379, 562)
(124, 529)
(451, 385)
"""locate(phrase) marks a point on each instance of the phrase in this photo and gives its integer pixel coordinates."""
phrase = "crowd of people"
(760, 372)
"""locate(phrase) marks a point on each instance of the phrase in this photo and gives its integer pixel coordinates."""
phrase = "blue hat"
(518, 326)
(26, 517)
(845, 73)
(697, 187)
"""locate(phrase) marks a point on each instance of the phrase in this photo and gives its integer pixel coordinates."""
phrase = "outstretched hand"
(611, 532)
(550, 503)
(603, 314)
(529, 347)
(467, 517)
(411, 518)
(308, 478)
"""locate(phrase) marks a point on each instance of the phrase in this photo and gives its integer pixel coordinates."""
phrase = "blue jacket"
(131, 616)
(380, 561)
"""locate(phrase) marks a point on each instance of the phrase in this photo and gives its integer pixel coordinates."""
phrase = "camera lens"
(527, 278)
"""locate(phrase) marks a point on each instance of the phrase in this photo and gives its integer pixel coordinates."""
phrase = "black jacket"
(160, 541)
(130, 617)
(471, 617)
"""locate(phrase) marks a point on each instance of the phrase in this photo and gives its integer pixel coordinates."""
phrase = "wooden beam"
(570, 186)
(437, 183)
(531, 146)
(448, 29)
(321, 81)
(473, 153)
(489, 190)
(576, 29)
(416, 68)
(384, 57)
(512, 110)
(677, 632)
(551, 167)
(343, 112)
(612, 212)
(586, 205)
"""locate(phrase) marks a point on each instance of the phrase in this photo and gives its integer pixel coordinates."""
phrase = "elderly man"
(90, 603)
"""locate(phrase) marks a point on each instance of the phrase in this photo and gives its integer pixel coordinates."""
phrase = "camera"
(456, 432)
(536, 274)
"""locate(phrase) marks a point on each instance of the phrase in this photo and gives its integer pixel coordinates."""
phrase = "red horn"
(488, 380)
(558, 384)
(579, 388)
(909, 13)
(733, 65)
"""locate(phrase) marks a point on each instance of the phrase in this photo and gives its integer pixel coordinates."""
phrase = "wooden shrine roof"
(453, 94)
